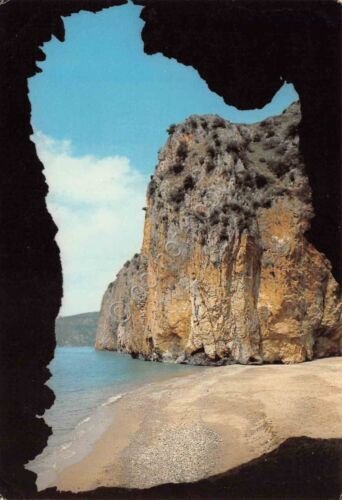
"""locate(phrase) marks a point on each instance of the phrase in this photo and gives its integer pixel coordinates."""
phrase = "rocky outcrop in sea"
(226, 273)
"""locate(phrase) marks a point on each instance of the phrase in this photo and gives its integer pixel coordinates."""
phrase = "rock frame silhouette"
(244, 50)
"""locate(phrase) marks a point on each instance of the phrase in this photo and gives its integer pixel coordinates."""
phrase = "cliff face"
(225, 272)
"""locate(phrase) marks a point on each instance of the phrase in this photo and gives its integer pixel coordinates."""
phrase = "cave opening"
(92, 127)
(18, 139)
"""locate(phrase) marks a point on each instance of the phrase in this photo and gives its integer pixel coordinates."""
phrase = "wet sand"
(192, 427)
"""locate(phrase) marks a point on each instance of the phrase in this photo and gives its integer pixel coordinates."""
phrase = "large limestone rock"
(225, 272)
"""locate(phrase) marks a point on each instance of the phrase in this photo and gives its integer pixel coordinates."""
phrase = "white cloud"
(97, 206)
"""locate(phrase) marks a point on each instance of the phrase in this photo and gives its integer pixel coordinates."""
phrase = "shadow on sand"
(301, 468)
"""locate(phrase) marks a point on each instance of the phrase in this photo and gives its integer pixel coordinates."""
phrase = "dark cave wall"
(245, 50)
(241, 51)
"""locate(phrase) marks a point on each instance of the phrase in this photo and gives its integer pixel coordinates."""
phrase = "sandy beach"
(188, 428)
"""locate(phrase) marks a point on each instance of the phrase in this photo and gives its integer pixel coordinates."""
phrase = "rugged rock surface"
(225, 272)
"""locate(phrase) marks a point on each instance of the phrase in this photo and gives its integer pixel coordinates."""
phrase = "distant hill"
(77, 330)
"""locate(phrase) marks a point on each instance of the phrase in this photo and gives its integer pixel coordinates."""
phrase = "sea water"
(87, 383)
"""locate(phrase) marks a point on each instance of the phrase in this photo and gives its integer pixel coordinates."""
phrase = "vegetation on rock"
(225, 271)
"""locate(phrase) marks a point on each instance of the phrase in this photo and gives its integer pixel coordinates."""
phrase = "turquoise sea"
(87, 383)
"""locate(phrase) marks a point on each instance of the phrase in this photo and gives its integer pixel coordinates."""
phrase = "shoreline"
(79, 441)
(190, 427)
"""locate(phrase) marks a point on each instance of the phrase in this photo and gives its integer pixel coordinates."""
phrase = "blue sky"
(101, 106)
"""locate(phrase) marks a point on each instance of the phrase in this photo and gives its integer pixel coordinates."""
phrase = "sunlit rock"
(225, 272)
